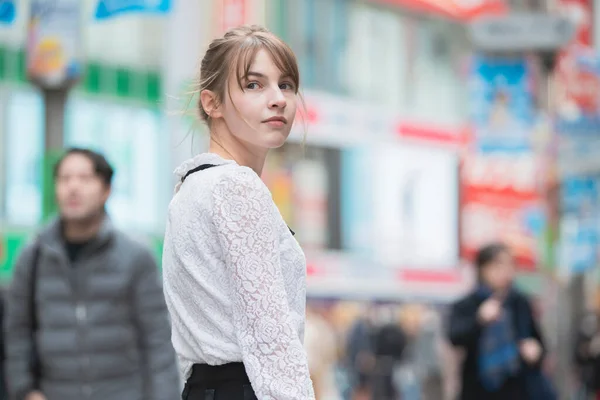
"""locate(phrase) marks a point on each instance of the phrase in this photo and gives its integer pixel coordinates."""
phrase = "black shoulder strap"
(33, 278)
(199, 168)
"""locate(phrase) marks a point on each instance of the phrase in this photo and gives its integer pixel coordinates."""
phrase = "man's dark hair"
(488, 254)
(101, 167)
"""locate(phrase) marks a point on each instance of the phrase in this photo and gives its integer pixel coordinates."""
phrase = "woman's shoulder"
(238, 180)
(220, 178)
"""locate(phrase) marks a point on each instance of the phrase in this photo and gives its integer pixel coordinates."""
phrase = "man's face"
(81, 194)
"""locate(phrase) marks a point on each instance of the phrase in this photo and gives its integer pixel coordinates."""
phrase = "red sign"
(580, 12)
(497, 192)
(231, 14)
(462, 10)
(428, 132)
(576, 88)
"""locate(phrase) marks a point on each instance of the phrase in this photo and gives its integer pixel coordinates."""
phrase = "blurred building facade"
(392, 90)
(382, 82)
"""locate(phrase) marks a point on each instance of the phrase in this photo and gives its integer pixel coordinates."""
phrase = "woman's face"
(261, 114)
(499, 273)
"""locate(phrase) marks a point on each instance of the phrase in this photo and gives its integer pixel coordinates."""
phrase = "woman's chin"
(275, 140)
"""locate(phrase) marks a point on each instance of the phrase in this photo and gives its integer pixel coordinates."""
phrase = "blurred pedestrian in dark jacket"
(495, 326)
(587, 352)
(390, 342)
(86, 303)
(360, 353)
(3, 392)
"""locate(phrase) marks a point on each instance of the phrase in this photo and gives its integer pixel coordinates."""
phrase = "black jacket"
(465, 331)
(589, 365)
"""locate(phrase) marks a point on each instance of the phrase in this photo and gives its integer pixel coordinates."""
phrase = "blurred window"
(317, 32)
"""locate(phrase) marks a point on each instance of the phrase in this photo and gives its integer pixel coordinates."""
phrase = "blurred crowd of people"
(378, 351)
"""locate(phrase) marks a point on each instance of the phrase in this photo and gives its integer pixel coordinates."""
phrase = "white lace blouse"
(235, 279)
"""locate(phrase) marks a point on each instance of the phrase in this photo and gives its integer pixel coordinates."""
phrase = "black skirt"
(222, 382)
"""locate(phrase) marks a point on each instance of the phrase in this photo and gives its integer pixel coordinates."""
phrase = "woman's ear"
(210, 104)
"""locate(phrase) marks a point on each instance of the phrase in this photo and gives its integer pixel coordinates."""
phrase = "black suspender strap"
(199, 168)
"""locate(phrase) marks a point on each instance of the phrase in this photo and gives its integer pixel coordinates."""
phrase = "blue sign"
(7, 12)
(501, 104)
(109, 8)
(581, 226)
(580, 245)
(580, 195)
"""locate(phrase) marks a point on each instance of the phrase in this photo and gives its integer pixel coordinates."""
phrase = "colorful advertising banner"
(501, 201)
(578, 96)
(502, 197)
(502, 104)
(577, 123)
(54, 43)
(111, 8)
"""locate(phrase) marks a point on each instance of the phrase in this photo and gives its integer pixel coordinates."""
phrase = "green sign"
(11, 244)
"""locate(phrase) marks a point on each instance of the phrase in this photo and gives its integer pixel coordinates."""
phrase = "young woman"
(234, 276)
(496, 327)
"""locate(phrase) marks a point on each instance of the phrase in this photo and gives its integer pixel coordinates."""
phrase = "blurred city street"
(428, 130)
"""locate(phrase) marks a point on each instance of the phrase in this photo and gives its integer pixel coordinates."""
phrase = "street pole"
(54, 128)
(54, 65)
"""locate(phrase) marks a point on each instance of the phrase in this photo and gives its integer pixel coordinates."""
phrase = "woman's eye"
(252, 85)
(286, 86)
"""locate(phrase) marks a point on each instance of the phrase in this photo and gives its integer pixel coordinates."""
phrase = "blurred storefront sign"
(111, 8)
(337, 121)
(398, 239)
(455, 9)
(343, 275)
(501, 200)
(521, 32)
(55, 43)
(392, 213)
(8, 12)
(435, 135)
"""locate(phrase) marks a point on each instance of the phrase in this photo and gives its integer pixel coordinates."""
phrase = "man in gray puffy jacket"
(102, 326)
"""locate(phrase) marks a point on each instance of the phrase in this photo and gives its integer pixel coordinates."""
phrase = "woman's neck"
(229, 147)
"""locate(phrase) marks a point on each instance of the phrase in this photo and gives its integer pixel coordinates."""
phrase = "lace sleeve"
(273, 355)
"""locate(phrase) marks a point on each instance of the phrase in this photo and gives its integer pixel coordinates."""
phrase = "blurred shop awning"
(459, 10)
